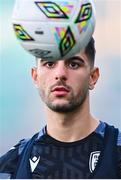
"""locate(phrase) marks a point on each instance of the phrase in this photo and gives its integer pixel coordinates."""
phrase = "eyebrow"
(44, 60)
(76, 58)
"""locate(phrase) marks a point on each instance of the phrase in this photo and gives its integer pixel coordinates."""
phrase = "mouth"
(60, 91)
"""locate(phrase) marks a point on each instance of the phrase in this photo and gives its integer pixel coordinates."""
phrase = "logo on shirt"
(34, 162)
(93, 160)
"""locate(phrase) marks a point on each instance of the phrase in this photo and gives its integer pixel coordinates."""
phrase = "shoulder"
(118, 135)
(9, 160)
(119, 153)
(119, 139)
(102, 128)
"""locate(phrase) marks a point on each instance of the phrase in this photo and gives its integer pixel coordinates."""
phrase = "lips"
(60, 90)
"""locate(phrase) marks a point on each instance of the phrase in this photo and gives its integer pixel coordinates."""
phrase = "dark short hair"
(90, 51)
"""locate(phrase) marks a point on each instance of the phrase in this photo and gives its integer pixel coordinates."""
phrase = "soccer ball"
(54, 29)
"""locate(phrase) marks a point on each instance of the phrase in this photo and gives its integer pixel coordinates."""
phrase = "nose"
(61, 71)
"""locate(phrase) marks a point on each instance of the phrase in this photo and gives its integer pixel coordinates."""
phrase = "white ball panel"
(65, 25)
(39, 31)
(47, 51)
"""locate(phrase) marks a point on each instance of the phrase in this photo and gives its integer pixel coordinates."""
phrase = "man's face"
(63, 85)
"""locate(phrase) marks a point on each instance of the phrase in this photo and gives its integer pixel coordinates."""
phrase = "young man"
(73, 144)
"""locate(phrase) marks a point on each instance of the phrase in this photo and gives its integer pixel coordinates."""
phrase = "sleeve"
(8, 162)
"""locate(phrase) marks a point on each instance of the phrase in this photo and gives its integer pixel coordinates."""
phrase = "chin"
(61, 102)
(62, 107)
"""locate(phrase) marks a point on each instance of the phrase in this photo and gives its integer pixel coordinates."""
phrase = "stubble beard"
(73, 102)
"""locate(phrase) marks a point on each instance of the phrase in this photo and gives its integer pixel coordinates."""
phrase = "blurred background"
(21, 110)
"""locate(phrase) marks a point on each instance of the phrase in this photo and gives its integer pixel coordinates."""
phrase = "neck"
(72, 126)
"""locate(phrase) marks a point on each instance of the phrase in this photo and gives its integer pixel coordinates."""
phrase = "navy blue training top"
(52, 159)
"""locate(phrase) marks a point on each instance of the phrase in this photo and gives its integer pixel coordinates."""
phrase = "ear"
(34, 76)
(94, 75)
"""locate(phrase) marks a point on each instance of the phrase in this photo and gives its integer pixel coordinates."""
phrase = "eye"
(49, 64)
(74, 65)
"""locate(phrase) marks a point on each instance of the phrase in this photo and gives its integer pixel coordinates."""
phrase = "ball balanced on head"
(55, 29)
